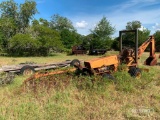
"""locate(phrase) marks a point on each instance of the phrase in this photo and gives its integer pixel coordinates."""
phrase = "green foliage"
(35, 22)
(86, 41)
(49, 39)
(8, 20)
(157, 39)
(58, 34)
(23, 45)
(20, 16)
(84, 98)
(115, 44)
(44, 22)
(15, 19)
(143, 36)
(63, 25)
(9, 9)
(70, 38)
(8, 29)
(2, 42)
(103, 30)
(60, 23)
(133, 25)
(129, 38)
(124, 82)
(27, 10)
(30, 44)
(108, 44)
(102, 35)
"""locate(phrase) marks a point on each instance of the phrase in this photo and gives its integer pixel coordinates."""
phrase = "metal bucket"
(151, 61)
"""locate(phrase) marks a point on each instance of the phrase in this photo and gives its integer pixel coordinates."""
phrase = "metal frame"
(136, 41)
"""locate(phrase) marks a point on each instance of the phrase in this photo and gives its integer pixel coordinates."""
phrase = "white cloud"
(81, 24)
(120, 14)
(142, 28)
(156, 26)
(124, 14)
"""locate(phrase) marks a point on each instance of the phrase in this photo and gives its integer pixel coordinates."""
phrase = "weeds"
(68, 97)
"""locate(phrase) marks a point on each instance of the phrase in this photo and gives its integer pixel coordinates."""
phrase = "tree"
(1, 41)
(23, 45)
(69, 35)
(21, 16)
(129, 38)
(133, 25)
(8, 29)
(103, 30)
(8, 20)
(60, 23)
(40, 45)
(143, 35)
(38, 40)
(15, 19)
(9, 9)
(27, 10)
(44, 22)
(68, 38)
(157, 39)
(49, 39)
(87, 41)
(115, 44)
(102, 34)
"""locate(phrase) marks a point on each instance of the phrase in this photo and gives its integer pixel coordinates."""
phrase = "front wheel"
(135, 72)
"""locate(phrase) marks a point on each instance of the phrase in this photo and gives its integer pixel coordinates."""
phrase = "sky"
(85, 14)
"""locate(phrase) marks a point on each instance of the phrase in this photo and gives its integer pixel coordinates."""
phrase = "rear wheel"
(75, 62)
(27, 70)
(135, 72)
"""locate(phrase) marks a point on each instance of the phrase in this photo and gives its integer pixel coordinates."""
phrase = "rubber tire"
(108, 76)
(25, 68)
(133, 71)
(74, 61)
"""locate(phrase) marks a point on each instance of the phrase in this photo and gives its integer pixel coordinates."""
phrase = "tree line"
(22, 35)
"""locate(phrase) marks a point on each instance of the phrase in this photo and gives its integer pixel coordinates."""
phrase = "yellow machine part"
(99, 62)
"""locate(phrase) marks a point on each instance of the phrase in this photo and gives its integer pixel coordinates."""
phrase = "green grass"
(57, 57)
(82, 98)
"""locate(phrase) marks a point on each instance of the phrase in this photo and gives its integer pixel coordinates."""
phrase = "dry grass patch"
(81, 98)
